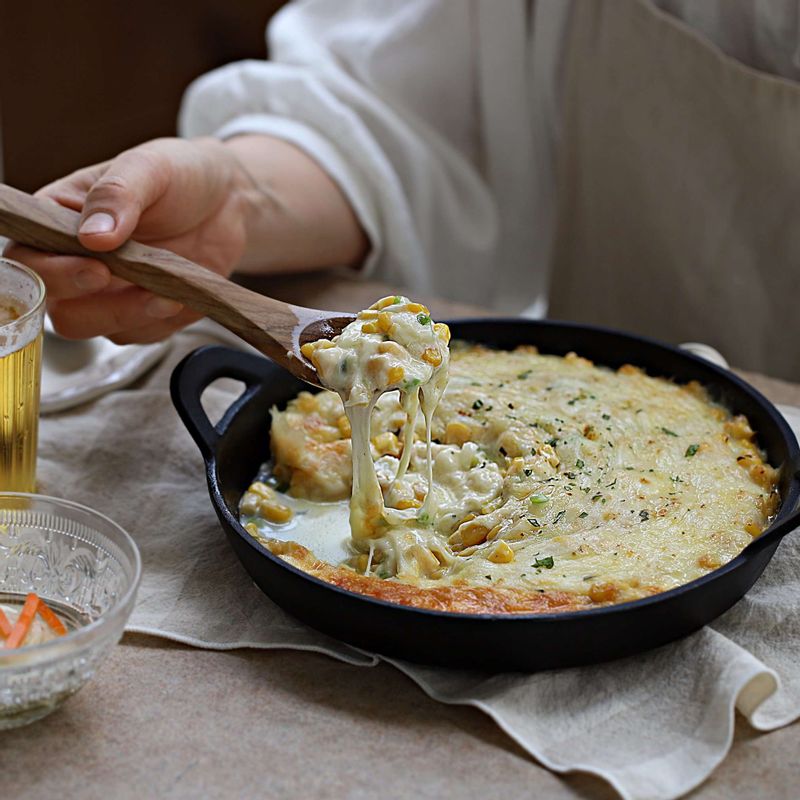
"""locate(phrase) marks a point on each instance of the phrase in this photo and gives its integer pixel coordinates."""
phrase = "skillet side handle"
(195, 373)
(777, 533)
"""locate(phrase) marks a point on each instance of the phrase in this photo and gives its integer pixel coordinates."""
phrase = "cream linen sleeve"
(383, 97)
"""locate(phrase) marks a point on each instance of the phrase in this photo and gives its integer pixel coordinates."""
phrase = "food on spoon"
(557, 484)
(392, 346)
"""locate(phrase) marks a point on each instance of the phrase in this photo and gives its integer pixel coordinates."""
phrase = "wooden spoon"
(275, 328)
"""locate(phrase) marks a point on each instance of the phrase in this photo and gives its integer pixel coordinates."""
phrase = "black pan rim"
(725, 376)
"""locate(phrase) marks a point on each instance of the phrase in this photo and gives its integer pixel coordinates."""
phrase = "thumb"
(131, 183)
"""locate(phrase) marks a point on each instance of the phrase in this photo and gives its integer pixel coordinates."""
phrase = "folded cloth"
(653, 725)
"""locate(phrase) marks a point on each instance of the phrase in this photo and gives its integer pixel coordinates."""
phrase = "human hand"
(183, 195)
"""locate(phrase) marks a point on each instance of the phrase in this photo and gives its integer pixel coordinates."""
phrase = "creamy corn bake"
(549, 483)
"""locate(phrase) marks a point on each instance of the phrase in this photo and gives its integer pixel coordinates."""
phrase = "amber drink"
(21, 320)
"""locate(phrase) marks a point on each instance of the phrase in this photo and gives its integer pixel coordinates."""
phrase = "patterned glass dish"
(87, 569)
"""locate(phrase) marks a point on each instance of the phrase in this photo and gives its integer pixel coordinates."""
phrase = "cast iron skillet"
(239, 443)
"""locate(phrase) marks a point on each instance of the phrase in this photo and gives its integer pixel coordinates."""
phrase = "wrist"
(296, 216)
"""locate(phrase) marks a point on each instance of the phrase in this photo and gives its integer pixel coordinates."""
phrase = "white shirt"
(439, 121)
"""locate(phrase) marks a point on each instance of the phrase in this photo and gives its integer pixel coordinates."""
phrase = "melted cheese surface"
(556, 484)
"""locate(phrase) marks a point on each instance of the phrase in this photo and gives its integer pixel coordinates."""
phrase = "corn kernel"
(306, 403)
(739, 428)
(442, 331)
(251, 528)
(708, 561)
(262, 490)
(386, 443)
(517, 466)
(603, 592)
(308, 349)
(370, 327)
(384, 302)
(250, 503)
(392, 348)
(417, 308)
(395, 374)
(494, 532)
(274, 512)
(456, 433)
(385, 322)
(753, 529)
(426, 559)
(502, 554)
(343, 424)
(432, 356)
(408, 503)
(472, 533)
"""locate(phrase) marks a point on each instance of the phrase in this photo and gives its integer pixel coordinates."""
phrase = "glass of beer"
(21, 323)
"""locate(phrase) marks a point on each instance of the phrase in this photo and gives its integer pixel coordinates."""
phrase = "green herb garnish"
(477, 404)
(559, 516)
(544, 563)
(423, 319)
(523, 375)
(668, 431)
(579, 464)
(538, 499)
(583, 514)
(691, 450)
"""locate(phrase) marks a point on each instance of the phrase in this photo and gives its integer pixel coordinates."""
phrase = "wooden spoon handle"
(269, 325)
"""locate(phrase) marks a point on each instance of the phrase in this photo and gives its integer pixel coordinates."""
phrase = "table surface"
(165, 720)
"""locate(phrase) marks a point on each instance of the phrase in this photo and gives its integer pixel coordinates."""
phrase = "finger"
(66, 277)
(71, 190)
(132, 182)
(158, 331)
(110, 313)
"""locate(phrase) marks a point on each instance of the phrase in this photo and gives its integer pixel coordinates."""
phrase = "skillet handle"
(775, 534)
(200, 369)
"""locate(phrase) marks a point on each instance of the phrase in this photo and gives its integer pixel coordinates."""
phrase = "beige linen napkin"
(654, 725)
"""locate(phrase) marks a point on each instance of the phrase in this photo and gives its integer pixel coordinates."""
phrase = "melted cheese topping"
(557, 484)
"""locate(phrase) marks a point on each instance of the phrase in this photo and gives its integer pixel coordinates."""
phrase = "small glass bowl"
(87, 569)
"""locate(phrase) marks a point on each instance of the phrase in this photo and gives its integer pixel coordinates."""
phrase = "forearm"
(296, 217)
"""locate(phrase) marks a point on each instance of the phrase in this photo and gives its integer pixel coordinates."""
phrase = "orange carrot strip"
(23, 622)
(46, 613)
(5, 625)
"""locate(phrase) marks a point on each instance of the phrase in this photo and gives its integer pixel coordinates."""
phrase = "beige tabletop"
(165, 720)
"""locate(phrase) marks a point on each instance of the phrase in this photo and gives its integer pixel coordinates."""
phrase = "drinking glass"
(22, 296)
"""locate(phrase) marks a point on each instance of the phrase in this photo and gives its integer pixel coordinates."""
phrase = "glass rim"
(37, 306)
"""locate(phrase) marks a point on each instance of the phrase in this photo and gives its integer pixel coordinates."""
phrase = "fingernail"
(99, 222)
(91, 280)
(161, 308)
